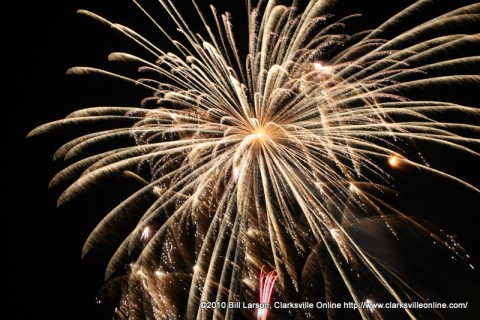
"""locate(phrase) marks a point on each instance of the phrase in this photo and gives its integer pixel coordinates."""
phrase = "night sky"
(46, 277)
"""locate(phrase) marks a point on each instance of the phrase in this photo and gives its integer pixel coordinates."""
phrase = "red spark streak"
(267, 282)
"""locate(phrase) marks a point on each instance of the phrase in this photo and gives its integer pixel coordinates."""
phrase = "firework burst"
(274, 157)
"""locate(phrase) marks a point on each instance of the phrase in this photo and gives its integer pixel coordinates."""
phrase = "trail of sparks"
(267, 284)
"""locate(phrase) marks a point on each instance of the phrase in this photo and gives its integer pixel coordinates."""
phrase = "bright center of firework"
(260, 133)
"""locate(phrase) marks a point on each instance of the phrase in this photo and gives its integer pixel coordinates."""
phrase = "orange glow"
(394, 161)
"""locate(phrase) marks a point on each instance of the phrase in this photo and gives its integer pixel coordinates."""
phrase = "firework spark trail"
(267, 284)
(284, 150)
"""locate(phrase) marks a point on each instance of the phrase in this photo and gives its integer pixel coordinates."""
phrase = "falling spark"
(394, 161)
(146, 234)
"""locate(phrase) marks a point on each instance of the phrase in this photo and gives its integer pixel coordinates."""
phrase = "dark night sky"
(46, 279)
